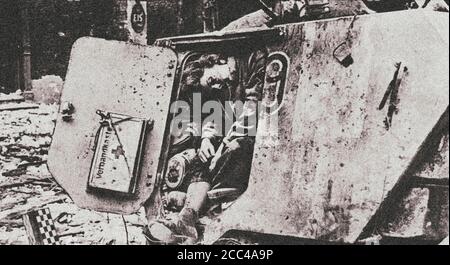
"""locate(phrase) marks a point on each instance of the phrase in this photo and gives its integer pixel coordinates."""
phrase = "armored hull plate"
(106, 154)
(349, 127)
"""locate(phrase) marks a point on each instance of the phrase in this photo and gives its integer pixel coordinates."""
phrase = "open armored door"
(110, 127)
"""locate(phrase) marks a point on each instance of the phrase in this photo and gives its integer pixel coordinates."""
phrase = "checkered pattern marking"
(47, 227)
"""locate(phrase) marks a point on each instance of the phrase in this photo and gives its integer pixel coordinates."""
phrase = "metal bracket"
(67, 109)
(342, 53)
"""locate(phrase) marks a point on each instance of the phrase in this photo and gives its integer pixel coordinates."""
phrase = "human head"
(213, 75)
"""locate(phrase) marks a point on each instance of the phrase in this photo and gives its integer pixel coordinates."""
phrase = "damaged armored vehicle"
(351, 143)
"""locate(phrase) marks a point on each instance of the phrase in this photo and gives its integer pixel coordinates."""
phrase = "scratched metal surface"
(121, 78)
(336, 160)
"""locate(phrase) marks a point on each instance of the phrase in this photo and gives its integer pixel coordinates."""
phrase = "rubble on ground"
(47, 89)
(26, 184)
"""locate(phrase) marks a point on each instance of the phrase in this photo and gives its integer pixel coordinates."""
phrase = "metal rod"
(267, 9)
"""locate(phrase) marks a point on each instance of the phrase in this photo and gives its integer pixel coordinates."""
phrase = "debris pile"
(25, 138)
(26, 184)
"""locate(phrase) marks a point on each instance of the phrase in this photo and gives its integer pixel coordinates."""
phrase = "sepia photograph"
(224, 122)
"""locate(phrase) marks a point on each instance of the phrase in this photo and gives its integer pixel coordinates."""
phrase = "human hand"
(216, 157)
(206, 151)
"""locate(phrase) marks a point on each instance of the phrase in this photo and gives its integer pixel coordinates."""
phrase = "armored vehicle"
(359, 149)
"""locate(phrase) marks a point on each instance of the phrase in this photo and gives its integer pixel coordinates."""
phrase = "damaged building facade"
(36, 36)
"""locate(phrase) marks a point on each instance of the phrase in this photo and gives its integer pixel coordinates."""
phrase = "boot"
(182, 226)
